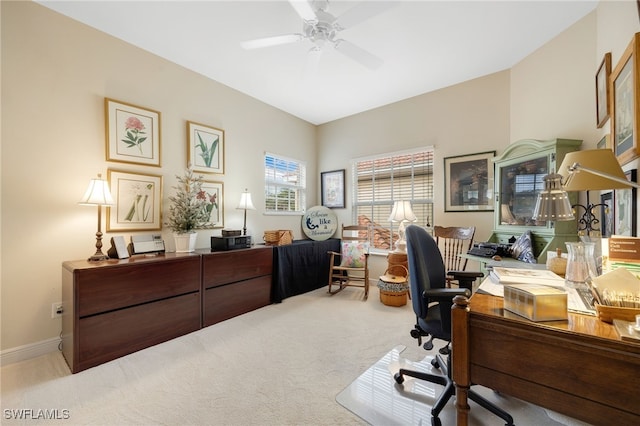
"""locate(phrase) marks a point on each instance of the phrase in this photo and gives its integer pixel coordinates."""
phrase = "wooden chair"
(349, 268)
(452, 242)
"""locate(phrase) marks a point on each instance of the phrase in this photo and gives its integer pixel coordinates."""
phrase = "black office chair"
(432, 303)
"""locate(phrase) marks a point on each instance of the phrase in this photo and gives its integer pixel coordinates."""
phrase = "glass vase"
(581, 265)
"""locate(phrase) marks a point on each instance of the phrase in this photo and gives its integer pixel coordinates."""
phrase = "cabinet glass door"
(520, 184)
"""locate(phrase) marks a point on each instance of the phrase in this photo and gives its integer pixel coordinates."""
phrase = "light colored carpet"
(283, 364)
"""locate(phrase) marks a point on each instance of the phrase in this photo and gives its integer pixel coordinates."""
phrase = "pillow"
(353, 254)
(522, 249)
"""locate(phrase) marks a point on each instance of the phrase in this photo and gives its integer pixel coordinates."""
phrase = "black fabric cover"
(301, 267)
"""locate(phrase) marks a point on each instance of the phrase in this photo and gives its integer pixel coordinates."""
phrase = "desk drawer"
(228, 301)
(221, 268)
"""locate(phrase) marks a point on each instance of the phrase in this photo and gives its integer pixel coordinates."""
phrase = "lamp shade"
(553, 202)
(402, 211)
(245, 201)
(97, 194)
(592, 170)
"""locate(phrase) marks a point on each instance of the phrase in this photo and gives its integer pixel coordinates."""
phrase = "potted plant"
(188, 210)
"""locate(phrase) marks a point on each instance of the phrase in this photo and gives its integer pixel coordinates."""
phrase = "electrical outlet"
(56, 310)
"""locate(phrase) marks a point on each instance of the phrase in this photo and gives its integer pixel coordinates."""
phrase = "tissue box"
(536, 302)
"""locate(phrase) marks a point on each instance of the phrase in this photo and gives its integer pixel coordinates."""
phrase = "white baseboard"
(32, 350)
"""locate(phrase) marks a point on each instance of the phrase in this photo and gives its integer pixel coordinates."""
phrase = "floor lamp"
(98, 194)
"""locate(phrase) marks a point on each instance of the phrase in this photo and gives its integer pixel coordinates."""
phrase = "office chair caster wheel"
(399, 378)
(435, 421)
(435, 363)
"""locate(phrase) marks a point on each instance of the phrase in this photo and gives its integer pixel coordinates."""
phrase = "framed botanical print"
(138, 201)
(205, 148)
(468, 182)
(132, 133)
(625, 103)
(213, 193)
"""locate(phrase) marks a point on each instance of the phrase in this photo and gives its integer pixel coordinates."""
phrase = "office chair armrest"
(465, 278)
(446, 294)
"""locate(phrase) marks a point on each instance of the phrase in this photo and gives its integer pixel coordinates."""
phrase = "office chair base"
(449, 391)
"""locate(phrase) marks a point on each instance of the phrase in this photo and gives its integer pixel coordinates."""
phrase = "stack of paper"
(526, 276)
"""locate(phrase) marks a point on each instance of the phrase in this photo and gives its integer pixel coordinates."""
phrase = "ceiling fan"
(321, 28)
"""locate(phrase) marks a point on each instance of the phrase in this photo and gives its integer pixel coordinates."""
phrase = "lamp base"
(99, 256)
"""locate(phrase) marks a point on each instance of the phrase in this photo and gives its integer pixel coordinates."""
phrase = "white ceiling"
(425, 45)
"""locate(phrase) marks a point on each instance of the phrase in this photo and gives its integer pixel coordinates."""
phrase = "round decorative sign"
(319, 223)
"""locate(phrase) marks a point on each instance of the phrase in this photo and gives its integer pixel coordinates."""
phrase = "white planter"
(185, 243)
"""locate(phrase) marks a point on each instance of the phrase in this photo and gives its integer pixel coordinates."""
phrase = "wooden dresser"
(116, 307)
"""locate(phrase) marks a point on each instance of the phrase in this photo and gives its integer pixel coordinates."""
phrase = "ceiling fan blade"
(271, 41)
(358, 54)
(363, 11)
(303, 8)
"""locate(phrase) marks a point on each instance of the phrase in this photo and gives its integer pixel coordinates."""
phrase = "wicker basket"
(609, 313)
(281, 237)
(394, 288)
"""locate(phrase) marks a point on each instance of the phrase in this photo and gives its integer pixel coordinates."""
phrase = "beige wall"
(55, 75)
(56, 72)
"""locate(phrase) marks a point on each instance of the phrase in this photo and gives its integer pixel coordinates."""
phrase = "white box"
(536, 302)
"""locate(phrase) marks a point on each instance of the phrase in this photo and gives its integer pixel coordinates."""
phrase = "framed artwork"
(468, 182)
(213, 193)
(205, 148)
(625, 103)
(602, 90)
(332, 189)
(138, 201)
(606, 214)
(132, 133)
(625, 211)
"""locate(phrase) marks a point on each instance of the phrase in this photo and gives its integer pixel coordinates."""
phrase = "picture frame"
(214, 193)
(602, 90)
(138, 201)
(332, 189)
(606, 214)
(205, 148)
(132, 133)
(604, 143)
(625, 211)
(625, 103)
(468, 182)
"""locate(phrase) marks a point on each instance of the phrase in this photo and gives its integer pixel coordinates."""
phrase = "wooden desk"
(578, 367)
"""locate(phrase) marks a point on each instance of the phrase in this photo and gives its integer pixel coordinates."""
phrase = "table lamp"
(98, 194)
(402, 213)
(553, 202)
(245, 204)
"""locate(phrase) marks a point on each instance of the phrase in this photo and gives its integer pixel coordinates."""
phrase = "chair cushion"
(354, 253)
(522, 249)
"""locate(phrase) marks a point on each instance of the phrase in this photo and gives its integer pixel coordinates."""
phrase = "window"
(379, 181)
(285, 183)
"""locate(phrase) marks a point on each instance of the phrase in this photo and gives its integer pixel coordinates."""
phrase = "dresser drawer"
(237, 265)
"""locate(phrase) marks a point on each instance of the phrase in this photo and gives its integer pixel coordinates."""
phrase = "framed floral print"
(602, 90)
(132, 133)
(205, 148)
(468, 182)
(138, 201)
(606, 214)
(213, 193)
(625, 103)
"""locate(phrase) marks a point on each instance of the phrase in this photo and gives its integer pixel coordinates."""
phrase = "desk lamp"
(98, 194)
(245, 204)
(402, 213)
(592, 170)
